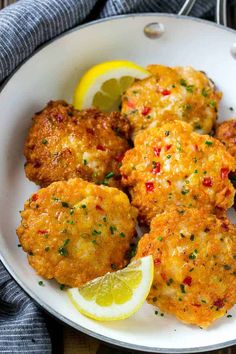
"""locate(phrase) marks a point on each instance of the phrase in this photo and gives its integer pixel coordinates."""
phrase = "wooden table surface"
(66, 340)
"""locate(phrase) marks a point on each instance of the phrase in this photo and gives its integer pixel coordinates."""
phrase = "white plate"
(52, 73)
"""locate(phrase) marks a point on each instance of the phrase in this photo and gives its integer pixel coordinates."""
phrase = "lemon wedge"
(117, 295)
(103, 85)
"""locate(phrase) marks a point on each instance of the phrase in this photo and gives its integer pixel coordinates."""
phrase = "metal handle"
(187, 7)
(221, 12)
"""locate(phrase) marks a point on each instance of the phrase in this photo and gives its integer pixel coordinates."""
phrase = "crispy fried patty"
(75, 231)
(226, 133)
(64, 143)
(174, 165)
(194, 264)
(172, 93)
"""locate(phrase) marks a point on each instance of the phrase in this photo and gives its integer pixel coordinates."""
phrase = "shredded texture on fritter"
(65, 143)
(174, 165)
(194, 264)
(75, 231)
(172, 93)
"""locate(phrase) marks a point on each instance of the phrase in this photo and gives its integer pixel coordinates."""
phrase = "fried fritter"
(226, 133)
(194, 264)
(172, 93)
(75, 231)
(174, 165)
(64, 143)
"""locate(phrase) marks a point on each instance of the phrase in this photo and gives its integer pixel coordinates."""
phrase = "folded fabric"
(29, 23)
(25, 26)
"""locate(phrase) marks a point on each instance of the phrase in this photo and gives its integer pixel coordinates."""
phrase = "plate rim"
(31, 293)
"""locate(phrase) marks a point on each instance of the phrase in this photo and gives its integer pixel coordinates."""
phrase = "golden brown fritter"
(64, 143)
(226, 133)
(172, 93)
(75, 231)
(194, 264)
(174, 165)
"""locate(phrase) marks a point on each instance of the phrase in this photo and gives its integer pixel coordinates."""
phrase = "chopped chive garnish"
(212, 103)
(183, 82)
(182, 288)
(113, 229)
(204, 92)
(170, 281)
(208, 142)
(96, 232)
(44, 141)
(62, 251)
(109, 175)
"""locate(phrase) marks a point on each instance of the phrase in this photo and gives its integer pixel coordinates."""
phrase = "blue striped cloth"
(24, 26)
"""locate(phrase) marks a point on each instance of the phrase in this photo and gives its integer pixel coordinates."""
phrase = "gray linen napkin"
(24, 26)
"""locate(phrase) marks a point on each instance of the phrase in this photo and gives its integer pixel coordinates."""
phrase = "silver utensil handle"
(221, 12)
(187, 7)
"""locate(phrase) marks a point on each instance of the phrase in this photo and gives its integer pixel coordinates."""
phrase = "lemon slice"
(117, 295)
(102, 86)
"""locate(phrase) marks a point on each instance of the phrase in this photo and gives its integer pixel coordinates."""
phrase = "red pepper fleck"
(119, 158)
(207, 182)
(99, 208)
(187, 281)
(168, 147)
(164, 277)
(125, 176)
(34, 197)
(157, 151)
(130, 104)
(90, 131)
(42, 232)
(157, 261)
(196, 305)
(227, 193)
(157, 168)
(100, 147)
(169, 182)
(224, 172)
(149, 186)
(145, 111)
(225, 226)
(219, 303)
(166, 92)
(59, 118)
(196, 148)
